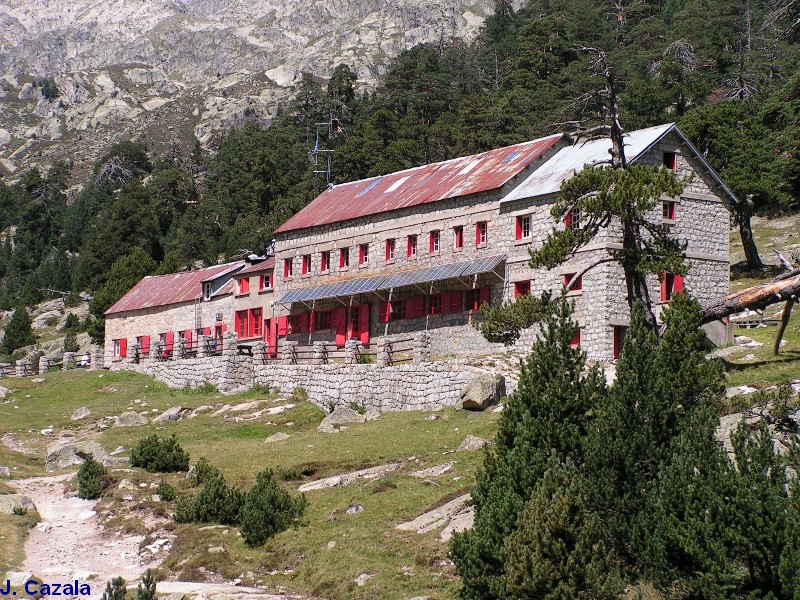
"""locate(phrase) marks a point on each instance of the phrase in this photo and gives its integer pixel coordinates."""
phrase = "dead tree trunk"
(742, 217)
(781, 289)
(787, 312)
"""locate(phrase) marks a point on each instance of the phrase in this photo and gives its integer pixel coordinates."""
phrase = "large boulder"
(74, 453)
(130, 419)
(472, 443)
(483, 392)
(80, 413)
(176, 413)
(342, 415)
(9, 502)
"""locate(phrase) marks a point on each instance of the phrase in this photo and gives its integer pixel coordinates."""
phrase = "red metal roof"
(264, 265)
(420, 185)
(161, 290)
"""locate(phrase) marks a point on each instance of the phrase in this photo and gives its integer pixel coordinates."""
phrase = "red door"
(339, 318)
(359, 323)
(619, 340)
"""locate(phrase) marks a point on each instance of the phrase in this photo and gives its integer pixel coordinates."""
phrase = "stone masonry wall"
(425, 386)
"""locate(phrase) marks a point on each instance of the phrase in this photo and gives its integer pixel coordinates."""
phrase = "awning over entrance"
(363, 285)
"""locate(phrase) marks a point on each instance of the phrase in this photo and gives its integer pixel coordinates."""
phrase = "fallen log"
(781, 289)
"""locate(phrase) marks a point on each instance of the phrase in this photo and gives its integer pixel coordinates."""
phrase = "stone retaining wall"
(420, 386)
(227, 373)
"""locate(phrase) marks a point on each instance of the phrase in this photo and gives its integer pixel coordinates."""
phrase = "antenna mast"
(322, 164)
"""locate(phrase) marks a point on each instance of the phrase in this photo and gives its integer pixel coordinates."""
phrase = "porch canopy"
(378, 283)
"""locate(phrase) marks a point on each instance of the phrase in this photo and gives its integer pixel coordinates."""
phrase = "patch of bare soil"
(70, 542)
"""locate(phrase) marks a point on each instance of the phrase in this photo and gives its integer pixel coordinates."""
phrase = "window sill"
(344, 269)
(266, 291)
(520, 242)
(436, 253)
(325, 272)
(459, 249)
(667, 221)
(363, 265)
(242, 295)
(391, 261)
(574, 293)
(306, 275)
(483, 245)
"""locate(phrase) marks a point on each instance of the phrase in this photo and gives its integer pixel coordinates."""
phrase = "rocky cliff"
(168, 70)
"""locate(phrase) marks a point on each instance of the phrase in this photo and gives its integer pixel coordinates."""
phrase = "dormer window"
(207, 291)
(670, 160)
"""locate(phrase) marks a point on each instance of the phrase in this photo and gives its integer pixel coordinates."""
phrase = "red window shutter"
(664, 291)
(384, 309)
(672, 207)
(187, 336)
(206, 330)
(169, 341)
(415, 307)
(576, 341)
(519, 228)
(456, 302)
(568, 220)
(224, 327)
(484, 295)
(341, 258)
(272, 337)
(145, 344)
(283, 326)
(445, 303)
(123, 347)
(430, 242)
(237, 322)
(477, 234)
(387, 249)
(363, 319)
(408, 246)
(677, 285)
(339, 319)
(304, 322)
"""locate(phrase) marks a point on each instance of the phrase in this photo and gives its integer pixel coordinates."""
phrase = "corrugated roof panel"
(264, 265)
(174, 288)
(420, 185)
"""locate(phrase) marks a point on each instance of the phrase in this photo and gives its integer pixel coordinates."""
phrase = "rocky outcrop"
(80, 413)
(176, 413)
(64, 455)
(453, 516)
(343, 414)
(130, 419)
(10, 502)
(348, 478)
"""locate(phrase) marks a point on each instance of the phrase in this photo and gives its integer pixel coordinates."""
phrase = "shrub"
(183, 510)
(268, 509)
(71, 342)
(290, 474)
(202, 471)
(20, 511)
(89, 485)
(165, 491)
(158, 455)
(147, 589)
(18, 332)
(115, 589)
(217, 503)
(71, 322)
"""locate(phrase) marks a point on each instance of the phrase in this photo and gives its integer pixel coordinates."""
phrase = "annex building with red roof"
(422, 249)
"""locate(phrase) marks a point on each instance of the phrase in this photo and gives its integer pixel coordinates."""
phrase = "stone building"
(253, 295)
(164, 314)
(422, 249)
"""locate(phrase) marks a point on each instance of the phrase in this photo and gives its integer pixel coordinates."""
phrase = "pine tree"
(18, 332)
(268, 509)
(71, 342)
(548, 415)
(557, 552)
(146, 590)
(115, 589)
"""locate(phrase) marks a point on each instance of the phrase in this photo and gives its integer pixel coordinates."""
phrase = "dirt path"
(69, 543)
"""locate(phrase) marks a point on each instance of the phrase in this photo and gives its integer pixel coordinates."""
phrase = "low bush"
(183, 510)
(217, 503)
(268, 509)
(89, 485)
(159, 455)
(202, 471)
(290, 474)
(165, 491)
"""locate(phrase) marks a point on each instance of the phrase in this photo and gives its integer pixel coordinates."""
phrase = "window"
(523, 227)
(120, 348)
(390, 244)
(481, 233)
(573, 218)
(433, 241)
(240, 323)
(363, 254)
(576, 341)
(671, 283)
(255, 321)
(576, 285)
(522, 288)
(207, 291)
(412, 246)
(473, 299)
(668, 210)
(325, 261)
(322, 320)
(435, 304)
(458, 237)
(398, 310)
(344, 258)
(619, 340)
(295, 322)
(265, 282)
(306, 264)
(243, 285)
(287, 268)
(143, 341)
(670, 160)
